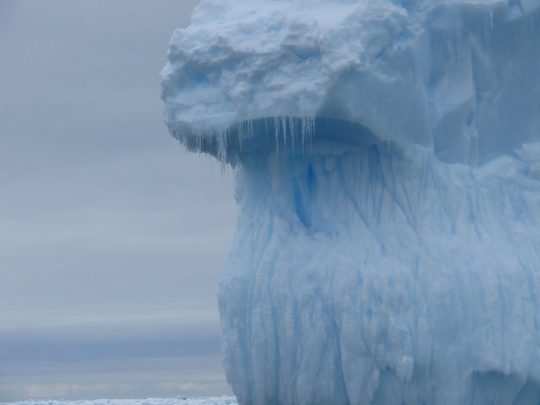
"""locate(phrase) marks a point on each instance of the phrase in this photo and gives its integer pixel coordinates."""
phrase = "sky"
(112, 237)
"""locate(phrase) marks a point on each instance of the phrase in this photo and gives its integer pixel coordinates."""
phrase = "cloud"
(112, 237)
(129, 361)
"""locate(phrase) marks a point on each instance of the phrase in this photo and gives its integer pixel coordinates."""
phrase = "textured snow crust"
(387, 161)
(147, 401)
(456, 76)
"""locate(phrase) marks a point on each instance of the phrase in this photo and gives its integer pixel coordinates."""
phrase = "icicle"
(276, 135)
(199, 141)
(292, 131)
(222, 147)
(266, 132)
(284, 130)
(240, 136)
(299, 129)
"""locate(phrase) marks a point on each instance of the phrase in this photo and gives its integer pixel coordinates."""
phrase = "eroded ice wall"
(361, 276)
(387, 159)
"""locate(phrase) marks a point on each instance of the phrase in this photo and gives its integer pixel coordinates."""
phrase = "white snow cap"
(458, 76)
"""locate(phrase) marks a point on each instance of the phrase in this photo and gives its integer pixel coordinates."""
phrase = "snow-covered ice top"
(457, 76)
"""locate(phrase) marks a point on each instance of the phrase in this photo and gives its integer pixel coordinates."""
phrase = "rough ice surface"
(387, 162)
(147, 401)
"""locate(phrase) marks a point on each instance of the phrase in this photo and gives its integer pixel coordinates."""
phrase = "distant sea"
(147, 401)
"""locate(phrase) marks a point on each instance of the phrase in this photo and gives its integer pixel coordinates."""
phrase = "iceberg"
(387, 166)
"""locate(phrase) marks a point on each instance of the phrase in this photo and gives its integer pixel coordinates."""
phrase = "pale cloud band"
(112, 237)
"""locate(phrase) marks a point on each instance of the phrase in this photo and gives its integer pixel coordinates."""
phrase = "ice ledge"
(286, 135)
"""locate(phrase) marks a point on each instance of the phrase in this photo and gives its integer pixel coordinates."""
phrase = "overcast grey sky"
(111, 236)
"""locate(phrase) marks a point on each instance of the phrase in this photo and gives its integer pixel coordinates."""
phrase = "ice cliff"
(387, 160)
